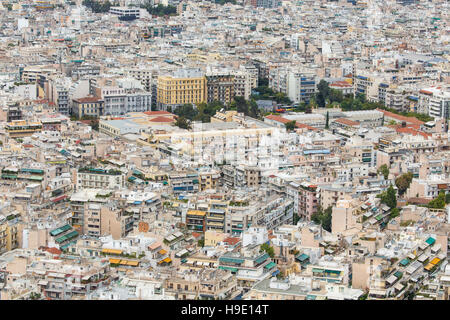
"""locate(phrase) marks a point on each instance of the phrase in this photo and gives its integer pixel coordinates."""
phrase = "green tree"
(327, 121)
(186, 111)
(268, 249)
(290, 126)
(394, 213)
(447, 198)
(322, 94)
(389, 197)
(183, 123)
(201, 243)
(160, 9)
(323, 218)
(438, 202)
(403, 182)
(384, 170)
(336, 95)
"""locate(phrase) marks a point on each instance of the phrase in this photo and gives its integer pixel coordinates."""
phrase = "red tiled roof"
(196, 234)
(347, 122)
(231, 240)
(155, 113)
(412, 131)
(161, 119)
(53, 250)
(399, 117)
(284, 120)
(28, 146)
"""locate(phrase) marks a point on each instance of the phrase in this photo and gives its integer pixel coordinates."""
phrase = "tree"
(335, 96)
(403, 182)
(183, 123)
(290, 126)
(160, 9)
(438, 202)
(389, 197)
(268, 249)
(447, 198)
(384, 169)
(186, 111)
(394, 213)
(327, 121)
(241, 104)
(322, 95)
(323, 218)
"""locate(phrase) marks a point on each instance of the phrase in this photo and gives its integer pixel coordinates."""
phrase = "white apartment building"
(301, 86)
(435, 101)
(99, 179)
(119, 101)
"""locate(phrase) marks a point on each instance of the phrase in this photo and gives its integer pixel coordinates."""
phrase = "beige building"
(345, 216)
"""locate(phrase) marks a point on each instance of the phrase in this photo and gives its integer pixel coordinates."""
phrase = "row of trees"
(160, 10)
(328, 97)
(99, 6)
(266, 93)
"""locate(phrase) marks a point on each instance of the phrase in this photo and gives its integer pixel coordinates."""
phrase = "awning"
(270, 265)
(430, 241)
(435, 261)
(112, 251)
(114, 261)
(162, 251)
(59, 198)
(429, 266)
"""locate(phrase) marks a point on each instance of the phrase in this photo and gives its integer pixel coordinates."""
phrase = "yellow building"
(22, 128)
(183, 87)
(208, 179)
(9, 234)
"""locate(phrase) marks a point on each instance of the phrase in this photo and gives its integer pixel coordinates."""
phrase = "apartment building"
(88, 106)
(208, 179)
(145, 76)
(305, 197)
(207, 284)
(182, 182)
(250, 266)
(301, 86)
(220, 87)
(435, 101)
(182, 87)
(94, 215)
(99, 178)
(58, 90)
(241, 176)
(22, 128)
(10, 232)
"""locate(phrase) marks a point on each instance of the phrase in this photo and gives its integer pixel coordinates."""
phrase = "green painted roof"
(404, 262)
(302, 257)
(430, 240)
(60, 230)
